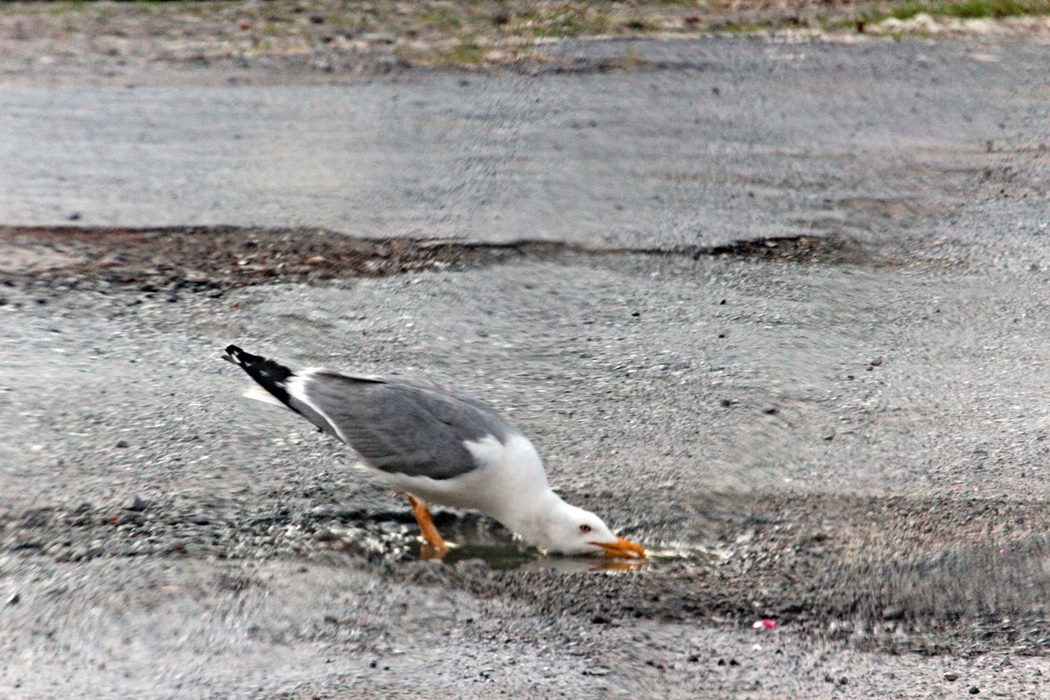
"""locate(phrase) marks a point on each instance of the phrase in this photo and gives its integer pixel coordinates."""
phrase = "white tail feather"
(259, 394)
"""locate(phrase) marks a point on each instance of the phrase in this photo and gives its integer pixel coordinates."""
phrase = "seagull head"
(567, 529)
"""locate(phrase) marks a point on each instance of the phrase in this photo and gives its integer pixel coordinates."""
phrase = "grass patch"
(972, 9)
(463, 54)
(562, 21)
(441, 19)
(975, 9)
(907, 10)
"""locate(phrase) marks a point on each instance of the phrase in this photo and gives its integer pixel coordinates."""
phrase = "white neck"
(537, 524)
(523, 500)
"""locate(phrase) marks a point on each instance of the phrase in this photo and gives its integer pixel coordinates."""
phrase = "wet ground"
(822, 403)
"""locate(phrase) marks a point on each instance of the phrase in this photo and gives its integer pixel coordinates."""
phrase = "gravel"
(164, 538)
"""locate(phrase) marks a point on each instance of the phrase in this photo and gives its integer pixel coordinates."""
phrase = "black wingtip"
(232, 351)
(233, 354)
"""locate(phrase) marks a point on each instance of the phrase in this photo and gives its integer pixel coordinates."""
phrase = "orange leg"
(435, 546)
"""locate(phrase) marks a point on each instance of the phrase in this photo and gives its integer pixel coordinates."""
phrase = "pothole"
(85, 532)
(877, 572)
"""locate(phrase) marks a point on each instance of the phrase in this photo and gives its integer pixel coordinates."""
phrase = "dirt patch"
(829, 250)
(213, 259)
(897, 574)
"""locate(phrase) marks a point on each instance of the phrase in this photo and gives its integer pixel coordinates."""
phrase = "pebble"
(14, 599)
(134, 503)
(951, 677)
(892, 613)
(475, 566)
(974, 690)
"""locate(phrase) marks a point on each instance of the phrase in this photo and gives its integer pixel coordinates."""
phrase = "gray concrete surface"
(734, 139)
(855, 450)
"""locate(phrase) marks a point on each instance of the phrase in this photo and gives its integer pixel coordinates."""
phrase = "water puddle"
(498, 550)
(506, 556)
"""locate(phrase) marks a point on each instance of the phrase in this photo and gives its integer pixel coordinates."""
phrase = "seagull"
(437, 445)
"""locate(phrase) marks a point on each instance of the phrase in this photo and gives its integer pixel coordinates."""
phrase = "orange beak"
(622, 548)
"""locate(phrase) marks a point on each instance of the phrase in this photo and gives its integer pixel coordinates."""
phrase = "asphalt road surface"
(788, 328)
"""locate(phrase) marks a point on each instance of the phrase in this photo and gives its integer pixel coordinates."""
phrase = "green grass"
(465, 53)
(907, 10)
(565, 21)
(442, 19)
(972, 9)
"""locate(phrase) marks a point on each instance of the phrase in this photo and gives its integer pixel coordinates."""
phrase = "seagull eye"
(585, 528)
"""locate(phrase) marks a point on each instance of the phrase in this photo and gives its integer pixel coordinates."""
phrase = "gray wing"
(401, 426)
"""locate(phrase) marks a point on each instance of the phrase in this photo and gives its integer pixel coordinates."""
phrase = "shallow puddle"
(472, 538)
(507, 556)
(510, 556)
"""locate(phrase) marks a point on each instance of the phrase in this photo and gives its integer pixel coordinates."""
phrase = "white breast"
(507, 478)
